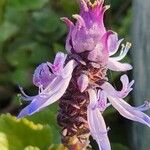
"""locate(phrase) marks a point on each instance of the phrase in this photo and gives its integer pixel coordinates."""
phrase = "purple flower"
(96, 122)
(89, 33)
(102, 99)
(57, 76)
(79, 80)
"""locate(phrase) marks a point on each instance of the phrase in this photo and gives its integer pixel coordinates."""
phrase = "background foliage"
(31, 33)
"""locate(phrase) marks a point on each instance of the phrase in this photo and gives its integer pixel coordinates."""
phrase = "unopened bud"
(83, 82)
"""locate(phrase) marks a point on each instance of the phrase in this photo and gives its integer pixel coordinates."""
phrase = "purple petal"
(83, 5)
(105, 40)
(126, 88)
(86, 34)
(68, 22)
(117, 66)
(109, 89)
(100, 52)
(42, 75)
(44, 99)
(128, 111)
(97, 124)
(58, 64)
(94, 14)
(144, 107)
(80, 21)
(125, 81)
(59, 93)
(113, 43)
(83, 82)
(51, 93)
(96, 54)
(68, 69)
(68, 40)
(83, 39)
(38, 100)
(102, 100)
(60, 59)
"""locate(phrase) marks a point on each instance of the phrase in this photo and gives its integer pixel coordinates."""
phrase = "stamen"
(128, 45)
(124, 51)
(22, 92)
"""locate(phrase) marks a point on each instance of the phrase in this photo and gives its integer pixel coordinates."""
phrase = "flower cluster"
(82, 73)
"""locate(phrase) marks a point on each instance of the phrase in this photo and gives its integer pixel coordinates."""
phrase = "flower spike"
(79, 81)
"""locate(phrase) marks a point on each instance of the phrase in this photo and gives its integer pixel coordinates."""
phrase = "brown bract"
(72, 116)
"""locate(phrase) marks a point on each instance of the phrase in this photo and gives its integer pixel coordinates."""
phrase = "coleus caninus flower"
(78, 80)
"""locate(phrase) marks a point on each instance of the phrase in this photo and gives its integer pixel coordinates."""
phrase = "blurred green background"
(31, 33)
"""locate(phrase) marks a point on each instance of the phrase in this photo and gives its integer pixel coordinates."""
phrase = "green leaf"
(70, 7)
(17, 17)
(126, 25)
(48, 116)
(31, 148)
(7, 30)
(2, 7)
(3, 141)
(58, 47)
(45, 21)
(117, 146)
(57, 147)
(22, 77)
(115, 4)
(27, 53)
(40, 54)
(18, 58)
(25, 5)
(109, 111)
(23, 134)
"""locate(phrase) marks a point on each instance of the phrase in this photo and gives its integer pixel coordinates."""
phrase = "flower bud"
(83, 82)
(88, 31)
